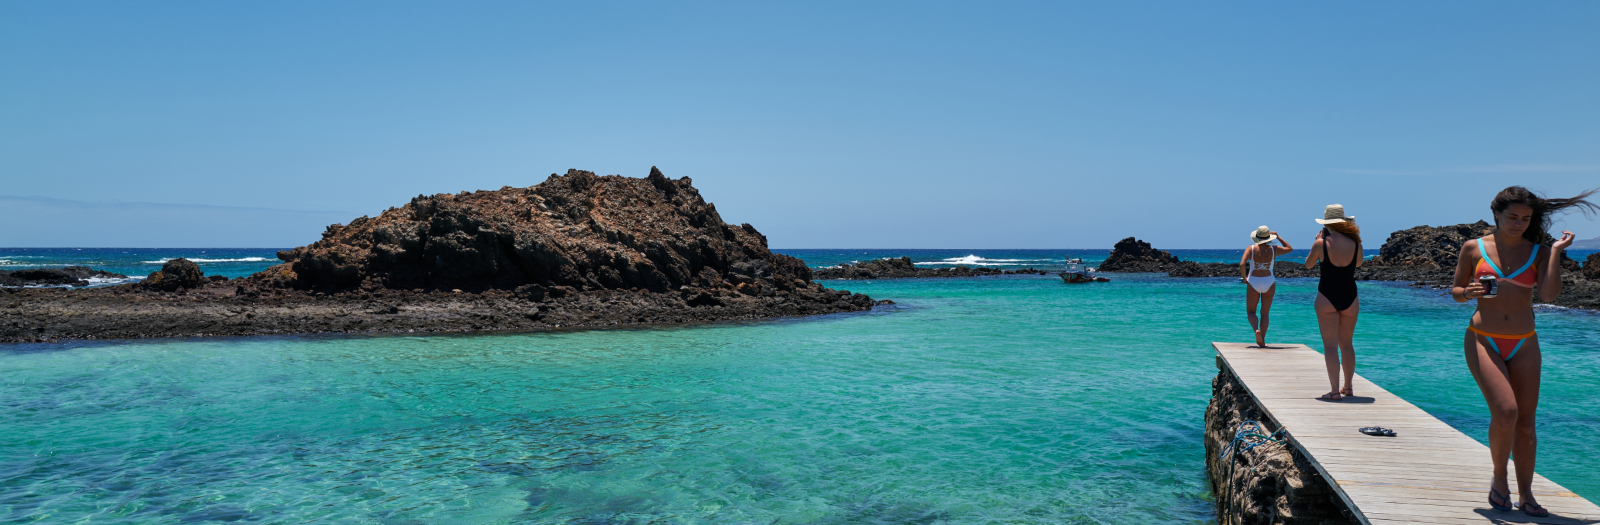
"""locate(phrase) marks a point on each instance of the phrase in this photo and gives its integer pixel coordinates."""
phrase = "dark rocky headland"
(575, 251)
(1424, 256)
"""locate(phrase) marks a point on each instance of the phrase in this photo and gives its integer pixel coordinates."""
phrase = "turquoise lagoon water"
(1012, 399)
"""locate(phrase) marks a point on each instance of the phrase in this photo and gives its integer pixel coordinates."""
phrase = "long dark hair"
(1543, 209)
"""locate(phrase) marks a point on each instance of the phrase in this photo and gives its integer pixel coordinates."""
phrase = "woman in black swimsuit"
(1337, 304)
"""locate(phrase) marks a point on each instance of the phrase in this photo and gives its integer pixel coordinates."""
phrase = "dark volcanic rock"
(1591, 267)
(1429, 247)
(70, 276)
(1133, 255)
(576, 251)
(1271, 483)
(579, 230)
(175, 274)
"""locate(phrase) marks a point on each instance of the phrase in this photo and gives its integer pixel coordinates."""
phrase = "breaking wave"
(241, 259)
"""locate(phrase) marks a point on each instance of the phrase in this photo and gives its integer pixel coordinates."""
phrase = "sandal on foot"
(1503, 497)
(1331, 396)
(1537, 510)
(1348, 392)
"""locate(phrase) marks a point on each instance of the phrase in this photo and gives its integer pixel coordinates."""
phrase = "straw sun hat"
(1262, 235)
(1334, 214)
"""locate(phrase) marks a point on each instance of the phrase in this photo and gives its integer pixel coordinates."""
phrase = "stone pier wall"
(1270, 484)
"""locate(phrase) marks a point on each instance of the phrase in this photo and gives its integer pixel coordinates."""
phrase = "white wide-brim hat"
(1256, 236)
(1334, 214)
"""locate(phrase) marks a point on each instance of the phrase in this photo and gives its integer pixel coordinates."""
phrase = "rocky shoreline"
(575, 251)
(1272, 483)
(1424, 256)
(902, 268)
(74, 276)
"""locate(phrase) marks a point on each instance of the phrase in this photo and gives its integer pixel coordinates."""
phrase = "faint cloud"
(1377, 172)
(1526, 168)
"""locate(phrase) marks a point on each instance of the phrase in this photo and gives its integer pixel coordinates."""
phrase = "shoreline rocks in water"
(1272, 483)
(1424, 256)
(75, 276)
(902, 268)
(577, 250)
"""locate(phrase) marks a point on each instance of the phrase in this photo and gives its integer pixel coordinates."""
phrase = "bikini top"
(1522, 277)
(1263, 266)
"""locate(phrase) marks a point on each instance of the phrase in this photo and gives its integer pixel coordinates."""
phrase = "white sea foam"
(242, 259)
(974, 260)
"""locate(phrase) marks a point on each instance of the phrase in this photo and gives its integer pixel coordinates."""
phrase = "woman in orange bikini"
(1502, 348)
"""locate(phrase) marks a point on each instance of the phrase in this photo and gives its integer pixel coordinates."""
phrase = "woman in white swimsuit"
(1257, 265)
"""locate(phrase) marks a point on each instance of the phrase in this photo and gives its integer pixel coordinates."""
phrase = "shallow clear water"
(1011, 399)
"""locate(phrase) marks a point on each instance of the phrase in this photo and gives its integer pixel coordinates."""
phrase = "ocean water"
(136, 263)
(1013, 399)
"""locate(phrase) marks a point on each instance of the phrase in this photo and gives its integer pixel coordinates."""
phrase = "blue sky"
(915, 125)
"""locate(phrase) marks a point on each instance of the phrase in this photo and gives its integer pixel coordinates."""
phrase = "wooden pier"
(1429, 473)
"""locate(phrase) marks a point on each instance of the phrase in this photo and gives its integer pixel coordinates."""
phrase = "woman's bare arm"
(1361, 256)
(1244, 263)
(1465, 288)
(1550, 272)
(1281, 250)
(1316, 252)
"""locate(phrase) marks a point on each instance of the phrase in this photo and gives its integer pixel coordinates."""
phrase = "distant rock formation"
(1591, 267)
(576, 251)
(1134, 255)
(76, 276)
(576, 231)
(902, 268)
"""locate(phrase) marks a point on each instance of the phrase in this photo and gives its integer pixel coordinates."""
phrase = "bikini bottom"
(1262, 283)
(1495, 340)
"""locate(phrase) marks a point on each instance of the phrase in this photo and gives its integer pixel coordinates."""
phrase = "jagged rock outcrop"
(1134, 255)
(1591, 267)
(1268, 484)
(903, 268)
(1429, 247)
(576, 251)
(67, 276)
(175, 275)
(578, 230)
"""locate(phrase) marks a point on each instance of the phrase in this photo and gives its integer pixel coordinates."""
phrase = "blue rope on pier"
(1250, 434)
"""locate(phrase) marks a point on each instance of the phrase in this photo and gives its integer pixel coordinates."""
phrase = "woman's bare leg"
(1328, 324)
(1523, 372)
(1266, 310)
(1251, 297)
(1347, 349)
(1495, 382)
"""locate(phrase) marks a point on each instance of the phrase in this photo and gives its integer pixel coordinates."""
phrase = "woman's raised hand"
(1566, 240)
(1473, 291)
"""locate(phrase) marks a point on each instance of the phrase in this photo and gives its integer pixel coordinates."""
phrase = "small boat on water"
(1077, 273)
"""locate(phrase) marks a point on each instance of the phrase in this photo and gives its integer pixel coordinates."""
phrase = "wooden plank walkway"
(1430, 473)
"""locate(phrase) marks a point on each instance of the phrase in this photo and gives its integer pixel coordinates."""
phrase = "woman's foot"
(1497, 499)
(1331, 396)
(1261, 339)
(1534, 509)
(1348, 392)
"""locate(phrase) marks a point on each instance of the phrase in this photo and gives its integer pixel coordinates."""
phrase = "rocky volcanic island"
(575, 251)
